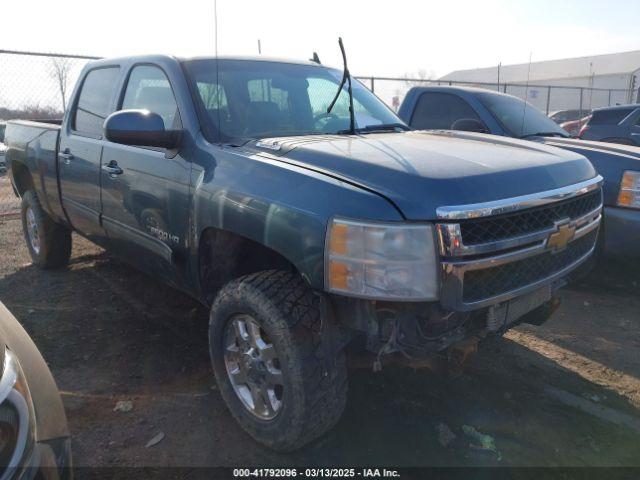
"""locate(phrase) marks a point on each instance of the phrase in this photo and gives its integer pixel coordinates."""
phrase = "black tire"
(54, 240)
(312, 363)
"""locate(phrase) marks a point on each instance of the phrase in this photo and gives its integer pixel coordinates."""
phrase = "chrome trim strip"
(508, 205)
(501, 259)
(453, 272)
(451, 244)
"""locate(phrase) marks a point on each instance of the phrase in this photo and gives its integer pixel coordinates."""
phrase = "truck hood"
(421, 171)
(609, 159)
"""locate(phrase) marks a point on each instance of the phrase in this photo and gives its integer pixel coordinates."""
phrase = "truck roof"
(152, 58)
(457, 88)
(618, 107)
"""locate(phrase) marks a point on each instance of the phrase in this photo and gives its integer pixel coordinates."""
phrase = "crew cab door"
(80, 151)
(145, 190)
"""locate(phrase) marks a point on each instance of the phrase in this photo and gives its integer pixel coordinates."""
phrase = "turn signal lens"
(629, 195)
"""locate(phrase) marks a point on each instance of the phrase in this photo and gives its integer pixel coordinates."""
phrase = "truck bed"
(33, 145)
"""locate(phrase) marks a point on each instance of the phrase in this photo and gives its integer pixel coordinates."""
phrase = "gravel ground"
(566, 393)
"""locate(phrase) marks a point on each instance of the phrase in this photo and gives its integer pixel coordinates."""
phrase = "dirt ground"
(9, 203)
(566, 393)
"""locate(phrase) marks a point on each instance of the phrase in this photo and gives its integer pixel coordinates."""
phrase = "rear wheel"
(277, 359)
(49, 243)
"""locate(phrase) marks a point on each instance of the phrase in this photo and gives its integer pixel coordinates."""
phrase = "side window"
(439, 111)
(148, 88)
(94, 102)
(609, 117)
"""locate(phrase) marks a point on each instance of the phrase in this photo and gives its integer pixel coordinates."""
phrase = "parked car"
(302, 222)
(3, 164)
(34, 438)
(620, 124)
(472, 109)
(563, 116)
(574, 127)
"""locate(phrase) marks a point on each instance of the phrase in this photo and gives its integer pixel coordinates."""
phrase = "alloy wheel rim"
(32, 231)
(253, 367)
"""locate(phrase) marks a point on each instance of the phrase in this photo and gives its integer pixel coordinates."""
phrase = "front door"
(145, 191)
(80, 151)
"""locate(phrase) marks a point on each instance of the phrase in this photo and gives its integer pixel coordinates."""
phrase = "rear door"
(145, 207)
(80, 150)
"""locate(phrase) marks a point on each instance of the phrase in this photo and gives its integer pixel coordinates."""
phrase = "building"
(584, 82)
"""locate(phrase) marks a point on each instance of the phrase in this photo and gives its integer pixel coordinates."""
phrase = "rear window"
(609, 117)
(439, 111)
(94, 103)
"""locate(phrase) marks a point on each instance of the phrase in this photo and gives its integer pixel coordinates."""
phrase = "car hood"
(421, 171)
(609, 159)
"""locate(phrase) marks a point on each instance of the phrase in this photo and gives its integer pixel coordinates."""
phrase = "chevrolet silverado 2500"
(301, 226)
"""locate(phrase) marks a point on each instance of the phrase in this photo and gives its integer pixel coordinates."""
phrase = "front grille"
(490, 282)
(493, 229)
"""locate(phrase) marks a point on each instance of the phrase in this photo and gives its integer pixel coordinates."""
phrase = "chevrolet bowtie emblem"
(559, 240)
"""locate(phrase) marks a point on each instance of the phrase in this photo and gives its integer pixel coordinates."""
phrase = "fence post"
(548, 98)
(581, 94)
(505, 88)
(373, 88)
(609, 102)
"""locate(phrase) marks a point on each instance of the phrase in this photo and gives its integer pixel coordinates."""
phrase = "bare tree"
(60, 68)
(419, 78)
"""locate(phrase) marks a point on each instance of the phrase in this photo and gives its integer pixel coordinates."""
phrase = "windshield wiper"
(345, 76)
(545, 134)
(381, 127)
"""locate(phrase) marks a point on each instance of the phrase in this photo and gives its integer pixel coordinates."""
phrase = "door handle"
(112, 168)
(66, 156)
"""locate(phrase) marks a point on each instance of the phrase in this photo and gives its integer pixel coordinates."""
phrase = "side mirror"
(469, 125)
(140, 127)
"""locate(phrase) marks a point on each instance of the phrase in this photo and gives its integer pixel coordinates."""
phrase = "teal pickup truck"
(304, 217)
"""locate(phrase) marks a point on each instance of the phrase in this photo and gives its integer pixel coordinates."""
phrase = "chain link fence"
(547, 98)
(34, 86)
(37, 86)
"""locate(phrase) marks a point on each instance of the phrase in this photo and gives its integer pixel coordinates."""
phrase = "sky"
(383, 38)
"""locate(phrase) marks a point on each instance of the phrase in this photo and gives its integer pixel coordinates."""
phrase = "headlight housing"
(17, 426)
(629, 195)
(382, 261)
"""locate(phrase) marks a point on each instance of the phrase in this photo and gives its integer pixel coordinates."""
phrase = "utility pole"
(259, 47)
(499, 66)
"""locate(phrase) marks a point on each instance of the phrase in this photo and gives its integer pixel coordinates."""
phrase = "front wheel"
(277, 359)
(49, 243)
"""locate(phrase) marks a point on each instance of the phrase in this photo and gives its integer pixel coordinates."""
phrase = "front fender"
(281, 206)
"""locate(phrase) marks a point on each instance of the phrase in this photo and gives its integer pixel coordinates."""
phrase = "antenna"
(215, 21)
(215, 24)
(526, 95)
